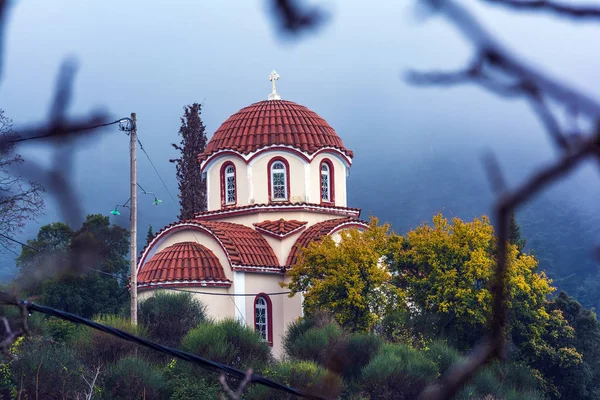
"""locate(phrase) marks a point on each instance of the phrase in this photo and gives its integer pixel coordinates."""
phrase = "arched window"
(262, 317)
(327, 188)
(228, 184)
(279, 180)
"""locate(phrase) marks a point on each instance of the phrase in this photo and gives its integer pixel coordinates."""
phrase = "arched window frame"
(331, 175)
(270, 178)
(224, 202)
(269, 315)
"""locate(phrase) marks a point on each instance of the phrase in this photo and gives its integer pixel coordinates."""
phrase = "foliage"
(446, 269)
(442, 355)
(304, 375)
(589, 292)
(402, 326)
(96, 347)
(507, 381)
(192, 188)
(317, 343)
(96, 245)
(357, 352)
(168, 317)
(348, 278)
(578, 379)
(230, 343)
(20, 201)
(514, 233)
(62, 331)
(132, 378)
(46, 371)
(149, 234)
(185, 387)
(397, 372)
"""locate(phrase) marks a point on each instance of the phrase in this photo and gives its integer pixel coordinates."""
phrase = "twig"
(237, 395)
(495, 54)
(576, 11)
(294, 18)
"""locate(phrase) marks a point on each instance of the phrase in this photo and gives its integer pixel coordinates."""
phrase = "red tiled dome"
(274, 122)
(185, 263)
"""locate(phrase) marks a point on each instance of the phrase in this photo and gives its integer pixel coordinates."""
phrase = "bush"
(98, 347)
(133, 378)
(397, 372)
(230, 343)
(187, 387)
(443, 355)
(358, 351)
(62, 331)
(304, 375)
(507, 381)
(168, 317)
(46, 371)
(316, 343)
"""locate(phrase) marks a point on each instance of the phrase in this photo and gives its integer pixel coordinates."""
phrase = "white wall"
(252, 179)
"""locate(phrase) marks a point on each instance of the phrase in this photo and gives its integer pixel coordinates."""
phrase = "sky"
(153, 58)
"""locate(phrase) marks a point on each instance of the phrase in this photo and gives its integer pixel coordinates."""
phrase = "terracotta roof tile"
(315, 233)
(280, 228)
(280, 205)
(185, 262)
(242, 244)
(274, 122)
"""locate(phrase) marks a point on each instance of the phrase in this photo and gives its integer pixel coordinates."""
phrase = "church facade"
(276, 181)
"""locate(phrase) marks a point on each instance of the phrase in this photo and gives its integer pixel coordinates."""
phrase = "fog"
(417, 150)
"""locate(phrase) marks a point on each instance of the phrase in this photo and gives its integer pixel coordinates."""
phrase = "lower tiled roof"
(316, 233)
(242, 244)
(280, 228)
(185, 262)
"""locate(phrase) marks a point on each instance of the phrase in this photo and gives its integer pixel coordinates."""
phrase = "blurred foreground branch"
(497, 70)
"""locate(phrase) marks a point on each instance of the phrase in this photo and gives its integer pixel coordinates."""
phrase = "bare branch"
(294, 18)
(237, 395)
(573, 11)
(494, 54)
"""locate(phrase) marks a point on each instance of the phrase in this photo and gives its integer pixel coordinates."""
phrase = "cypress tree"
(192, 188)
(514, 233)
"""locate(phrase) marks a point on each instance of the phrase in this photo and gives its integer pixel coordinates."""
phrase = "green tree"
(149, 234)
(514, 233)
(446, 269)
(349, 278)
(83, 271)
(192, 188)
(575, 380)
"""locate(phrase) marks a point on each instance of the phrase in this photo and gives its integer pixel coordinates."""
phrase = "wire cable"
(52, 133)
(156, 170)
(192, 358)
(226, 294)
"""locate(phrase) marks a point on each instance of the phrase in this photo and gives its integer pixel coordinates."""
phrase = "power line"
(226, 294)
(208, 364)
(194, 359)
(51, 133)
(155, 170)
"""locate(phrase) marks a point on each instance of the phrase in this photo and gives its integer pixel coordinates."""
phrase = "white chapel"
(276, 181)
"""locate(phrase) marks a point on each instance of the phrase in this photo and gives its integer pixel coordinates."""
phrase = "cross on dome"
(274, 77)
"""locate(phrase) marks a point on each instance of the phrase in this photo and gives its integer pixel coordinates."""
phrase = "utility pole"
(133, 228)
